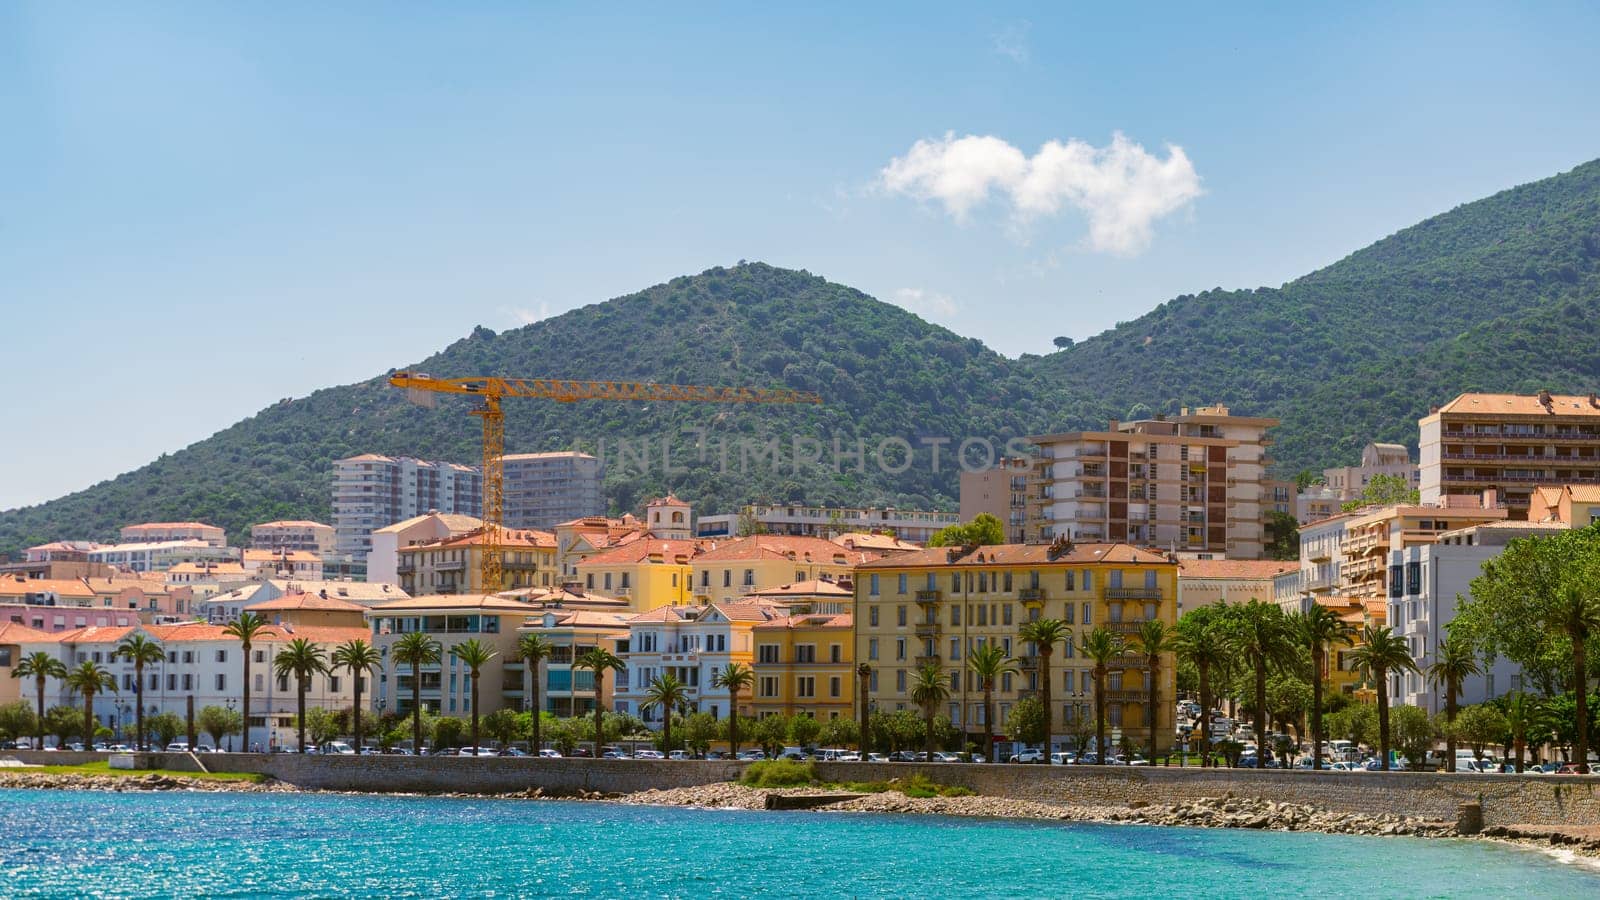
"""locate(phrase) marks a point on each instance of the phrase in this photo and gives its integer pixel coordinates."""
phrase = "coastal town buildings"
(1370, 535)
(227, 606)
(823, 521)
(159, 556)
(454, 565)
(693, 644)
(450, 619)
(573, 622)
(383, 559)
(1001, 491)
(1316, 503)
(1205, 581)
(542, 489)
(727, 570)
(371, 491)
(1196, 482)
(168, 532)
(805, 666)
(296, 534)
(1508, 444)
(1574, 505)
(1392, 460)
(937, 605)
(579, 539)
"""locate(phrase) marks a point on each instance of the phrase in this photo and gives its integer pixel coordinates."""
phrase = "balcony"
(1133, 593)
(927, 629)
(927, 596)
(1031, 595)
(1028, 663)
(935, 659)
(1124, 696)
(1126, 627)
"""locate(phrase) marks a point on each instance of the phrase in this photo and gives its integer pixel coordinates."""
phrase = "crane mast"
(490, 390)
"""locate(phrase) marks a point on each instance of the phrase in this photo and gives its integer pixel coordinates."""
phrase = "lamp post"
(231, 703)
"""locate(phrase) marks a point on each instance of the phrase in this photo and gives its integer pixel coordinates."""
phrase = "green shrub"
(776, 773)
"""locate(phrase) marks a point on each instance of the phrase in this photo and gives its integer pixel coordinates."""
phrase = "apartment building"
(454, 565)
(572, 623)
(580, 539)
(226, 607)
(1192, 482)
(825, 521)
(1002, 492)
(693, 644)
(1370, 535)
(383, 559)
(1424, 584)
(542, 489)
(1316, 503)
(167, 532)
(1393, 460)
(1575, 505)
(1509, 444)
(646, 572)
(159, 556)
(805, 666)
(725, 571)
(371, 491)
(17, 641)
(938, 605)
(1202, 582)
(298, 534)
(297, 564)
(450, 619)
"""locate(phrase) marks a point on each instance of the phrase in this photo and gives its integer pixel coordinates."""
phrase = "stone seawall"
(1505, 799)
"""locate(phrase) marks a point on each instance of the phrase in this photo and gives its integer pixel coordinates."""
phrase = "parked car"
(584, 752)
(849, 756)
(648, 754)
(1028, 756)
(716, 754)
(338, 748)
(199, 748)
(679, 754)
(752, 755)
(877, 757)
(548, 753)
(174, 747)
(609, 754)
(944, 757)
(1062, 758)
(1087, 759)
(512, 751)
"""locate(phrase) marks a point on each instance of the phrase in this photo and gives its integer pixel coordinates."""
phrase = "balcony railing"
(1028, 663)
(1126, 627)
(927, 629)
(924, 660)
(1030, 595)
(1133, 593)
(927, 596)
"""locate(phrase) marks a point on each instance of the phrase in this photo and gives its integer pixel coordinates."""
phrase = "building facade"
(694, 644)
(725, 571)
(938, 605)
(1002, 492)
(822, 521)
(1192, 482)
(1509, 444)
(1202, 582)
(455, 565)
(1575, 505)
(545, 488)
(805, 666)
(1370, 535)
(308, 537)
(167, 532)
(446, 686)
(159, 556)
(372, 491)
(1393, 460)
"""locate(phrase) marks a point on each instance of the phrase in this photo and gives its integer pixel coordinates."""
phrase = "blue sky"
(208, 207)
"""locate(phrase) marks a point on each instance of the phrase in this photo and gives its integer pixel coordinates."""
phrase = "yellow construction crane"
(424, 390)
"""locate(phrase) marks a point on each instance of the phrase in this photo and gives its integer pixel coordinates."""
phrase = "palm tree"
(1045, 634)
(1101, 645)
(302, 659)
(666, 693)
(1200, 641)
(1577, 614)
(474, 654)
(533, 649)
(1153, 641)
(598, 660)
(1524, 715)
(1317, 629)
(40, 666)
(1259, 634)
(359, 658)
(416, 649)
(864, 676)
(989, 664)
(245, 628)
(1454, 660)
(141, 651)
(1381, 652)
(929, 688)
(735, 678)
(89, 679)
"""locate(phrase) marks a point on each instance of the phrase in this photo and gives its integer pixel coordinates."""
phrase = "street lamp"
(231, 703)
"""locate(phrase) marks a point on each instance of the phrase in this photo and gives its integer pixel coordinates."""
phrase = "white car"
(679, 754)
(942, 757)
(648, 754)
(178, 747)
(549, 754)
(1062, 758)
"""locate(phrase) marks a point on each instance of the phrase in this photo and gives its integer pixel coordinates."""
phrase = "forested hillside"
(1499, 294)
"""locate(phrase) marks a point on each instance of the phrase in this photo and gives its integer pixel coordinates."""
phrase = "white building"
(543, 489)
(383, 559)
(1394, 460)
(165, 532)
(227, 607)
(1316, 503)
(824, 521)
(693, 644)
(1424, 582)
(159, 556)
(293, 534)
(372, 491)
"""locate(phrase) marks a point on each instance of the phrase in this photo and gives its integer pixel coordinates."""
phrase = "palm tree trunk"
(1155, 668)
(733, 720)
(1382, 677)
(355, 711)
(138, 698)
(39, 725)
(1100, 715)
(866, 733)
(1044, 693)
(1580, 672)
(1518, 742)
(88, 720)
(474, 712)
(1316, 708)
(416, 708)
(927, 730)
(300, 701)
(245, 649)
(538, 710)
(1205, 713)
(1261, 709)
(599, 720)
(1450, 729)
(988, 719)
(666, 728)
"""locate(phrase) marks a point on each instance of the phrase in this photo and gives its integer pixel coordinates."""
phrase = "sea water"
(90, 844)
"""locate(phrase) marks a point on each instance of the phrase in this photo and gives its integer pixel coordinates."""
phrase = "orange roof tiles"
(95, 634)
(810, 620)
(749, 610)
(487, 602)
(509, 537)
(861, 540)
(778, 546)
(643, 550)
(1524, 405)
(292, 523)
(19, 585)
(307, 602)
(18, 633)
(1585, 493)
(1234, 568)
(814, 588)
(1018, 555)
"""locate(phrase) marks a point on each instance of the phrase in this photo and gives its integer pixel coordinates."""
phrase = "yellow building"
(454, 565)
(1577, 505)
(724, 571)
(647, 572)
(805, 665)
(938, 605)
(16, 642)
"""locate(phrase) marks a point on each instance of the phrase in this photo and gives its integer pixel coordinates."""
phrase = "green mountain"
(1499, 294)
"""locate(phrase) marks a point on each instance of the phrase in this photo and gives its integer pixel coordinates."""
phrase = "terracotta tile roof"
(366, 593)
(1584, 493)
(292, 523)
(219, 568)
(307, 602)
(865, 541)
(1018, 555)
(19, 585)
(509, 537)
(95, 634)
(666, 614)
(157, 526)
(18, 633)
(840, 620)
(777, 546)
(577, 618)
(750, 610)
(1234, 568)
(272, 634)
(1524, 405)
(668, 500)
(275, 555)
(453, 522)
(544, 597)
(487, 602)
(638, 551)
(814, 588)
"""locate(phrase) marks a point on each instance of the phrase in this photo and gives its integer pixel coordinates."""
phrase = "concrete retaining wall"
(1506, 799)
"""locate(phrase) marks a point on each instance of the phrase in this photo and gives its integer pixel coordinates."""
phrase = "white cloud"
(524, 316)
(1012, 41)
(927, 304)
(1122, 189)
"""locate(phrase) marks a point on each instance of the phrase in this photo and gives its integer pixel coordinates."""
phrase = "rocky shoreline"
(72, 781)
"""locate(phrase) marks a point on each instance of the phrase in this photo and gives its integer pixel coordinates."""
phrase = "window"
(625, 584)
(333, 683)
(902, 583)
(1006, 614)
(899, 648)
(1116, 579)
(1150, 578)
(1088, 580)
(1066, 680)
(222, 681)
(834, 686)
(1067, 608)
(955, 614)
(900, 616)
(769, 686)
(188, 682)
(872, 587)
(767, 653)
(955, 648)
(983, 582)
(1007, 588)
(727, 578)
(1072, 578)
(1086, 619)
(836, 653)
(283, 683)
(872, 648)
(1005, 682)
(749, 577)
(261, 683)
(222, 656)
(805, 653)
(955, 680)
(188, 656)
(805, 686)
(607, 577)
(872, 616)
(900, 681)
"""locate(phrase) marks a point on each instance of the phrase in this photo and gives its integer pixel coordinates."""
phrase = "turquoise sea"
(80, 844)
